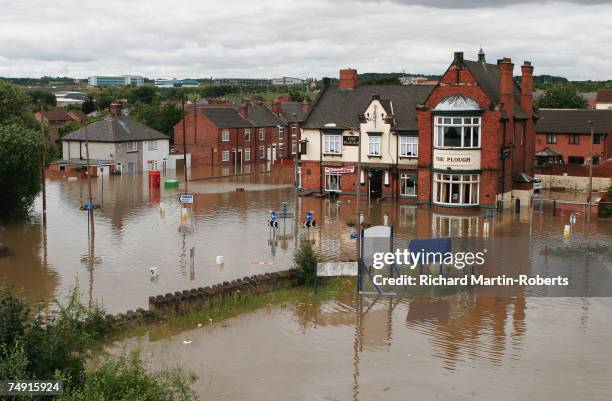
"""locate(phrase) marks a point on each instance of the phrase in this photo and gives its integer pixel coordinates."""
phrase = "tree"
(14, 104)
(142, 94)
(162, 118)
(305, 259)
(20, 166)
(561, 97)
(48, 99)
(88, 105)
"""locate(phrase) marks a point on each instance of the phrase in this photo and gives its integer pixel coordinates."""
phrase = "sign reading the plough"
(185, 198)
(350, 140)
(456, 159)
(340, 170)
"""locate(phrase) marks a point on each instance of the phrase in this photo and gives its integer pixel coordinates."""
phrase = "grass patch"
(331, 288)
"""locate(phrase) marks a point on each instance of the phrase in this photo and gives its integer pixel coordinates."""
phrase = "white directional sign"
(185, 198)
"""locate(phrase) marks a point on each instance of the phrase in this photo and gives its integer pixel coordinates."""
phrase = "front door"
(273, 152)
(376, 185)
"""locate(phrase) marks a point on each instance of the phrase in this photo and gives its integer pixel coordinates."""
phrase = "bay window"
(456, 189)
(409, 146)
(332, 144)
(457, 132)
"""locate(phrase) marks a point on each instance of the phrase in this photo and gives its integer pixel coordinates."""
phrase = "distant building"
(109, 81)
(604, 99)
(176, 83)
(566, 134)
(65, 98)
(417, 81)
(242, 81)
(590, 98)
(119, 141)
(57, 117)
(288, 81)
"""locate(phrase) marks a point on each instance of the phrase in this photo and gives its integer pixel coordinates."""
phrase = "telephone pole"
(89, 211)
(44, 161)
(590, 172)
(184, 141)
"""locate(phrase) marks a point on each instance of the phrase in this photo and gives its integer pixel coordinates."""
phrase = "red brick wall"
(603, 170)
(566, 149)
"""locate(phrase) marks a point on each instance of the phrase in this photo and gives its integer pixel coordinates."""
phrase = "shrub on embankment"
(305, 260)
(34, 347)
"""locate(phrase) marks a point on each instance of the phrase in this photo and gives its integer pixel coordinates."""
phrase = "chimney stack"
(243, 109)
(348, 78)
(305, 105)
(506, 85)
(115, 108)
(527, 87)
(276, 107)
(458, 59)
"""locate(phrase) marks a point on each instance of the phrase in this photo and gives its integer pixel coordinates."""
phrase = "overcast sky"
(310, 38)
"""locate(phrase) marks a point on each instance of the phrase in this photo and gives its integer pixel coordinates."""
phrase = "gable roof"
(261, 116)
(225, 117)
(343, 107)
(115, 129)
(574, 121)
(487, 75)
(604, 95)
(291, 112)
(57, 114)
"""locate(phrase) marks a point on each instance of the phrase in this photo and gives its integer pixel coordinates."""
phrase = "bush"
(305, 259)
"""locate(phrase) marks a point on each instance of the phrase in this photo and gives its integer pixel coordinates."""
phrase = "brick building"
(567, 133)
(467, 142)
(224, 134)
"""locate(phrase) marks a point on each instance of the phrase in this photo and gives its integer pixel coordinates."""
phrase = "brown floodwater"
(455, 347)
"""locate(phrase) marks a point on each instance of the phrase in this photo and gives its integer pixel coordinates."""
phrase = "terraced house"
(466, 142)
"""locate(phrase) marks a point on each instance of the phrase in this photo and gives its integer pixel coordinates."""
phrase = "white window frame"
(409, 146)
(293, 130)
(294, 148)
(262, 152)
(152, 145)
(465, 125)
(225, 135)
(440, 181)
(404, 178)
(132, 146)
(333, 186)
(247, 154)
(281, 132)
(247, 134)
(332, 144)
(374, 145)
(281, 150)
(225, 156)
(262, 134)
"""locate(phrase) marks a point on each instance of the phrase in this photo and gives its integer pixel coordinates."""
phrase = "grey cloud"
(458, 4)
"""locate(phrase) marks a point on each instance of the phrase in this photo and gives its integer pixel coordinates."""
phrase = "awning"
(521, 177)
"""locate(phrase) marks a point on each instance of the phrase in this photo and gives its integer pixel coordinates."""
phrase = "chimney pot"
(458, 59)
(348, 78)
(243, 109)
(115, 108)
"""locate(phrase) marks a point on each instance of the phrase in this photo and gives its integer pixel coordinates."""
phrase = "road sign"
(284, 207)
(273, 216)
(88, 206)
(287, 215)
(185, 198)
(308, 216)
(273, 223)
(310, 223)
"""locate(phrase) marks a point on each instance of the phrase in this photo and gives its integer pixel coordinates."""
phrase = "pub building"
(466, 142)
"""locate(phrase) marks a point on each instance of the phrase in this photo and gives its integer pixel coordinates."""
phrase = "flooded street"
(455, 347)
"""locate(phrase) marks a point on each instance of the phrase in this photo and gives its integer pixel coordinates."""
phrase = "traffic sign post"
(185, 198)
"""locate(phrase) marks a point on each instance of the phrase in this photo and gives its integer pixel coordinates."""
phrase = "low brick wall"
(182, 302)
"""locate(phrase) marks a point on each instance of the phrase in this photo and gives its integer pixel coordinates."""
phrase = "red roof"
(604, 95)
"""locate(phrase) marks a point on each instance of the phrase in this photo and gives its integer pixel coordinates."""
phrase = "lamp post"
(590, 172)
(184, 141)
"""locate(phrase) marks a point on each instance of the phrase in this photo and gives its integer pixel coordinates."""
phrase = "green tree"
(561, 97)
(88, 105)
(305, 259)
(142, 94)
(161, 118)
(14, 104)
(20, 166)
(48, 99)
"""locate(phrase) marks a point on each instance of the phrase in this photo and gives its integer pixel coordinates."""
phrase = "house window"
(247, 134)
(574, 139)
(332, 182)
(247, 154)
(293, 148)
(281, 150)
(152, 145)
(408, 184)
(225, 135)
(132, 146)
(332, 144)
(262, 152)
(456, 189)
(597, 139)
(225, 156)
(281, 132)
(374, 145)
(409, 146)
(457, 132)
(262, 134)
(551, 138)
(131, 167)
(293, 131)
(575, 160)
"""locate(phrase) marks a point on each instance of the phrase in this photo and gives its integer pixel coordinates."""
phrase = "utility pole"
(89, 211)
(184, 141)
(359, 200)
(44, 162)
(590, 172)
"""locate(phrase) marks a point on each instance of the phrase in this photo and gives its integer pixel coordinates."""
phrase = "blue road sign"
(308, 216)
(441, 245)
(273, 216)
(88, 206)
(353, 236)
